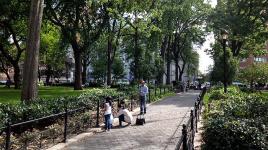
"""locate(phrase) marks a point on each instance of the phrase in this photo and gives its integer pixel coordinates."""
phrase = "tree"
(255, 73)
(4, 66)
(217, 73)
(81, 23)
(12, 34)
(118, 68)
(52, 51)
(244, 21)
(114, 30)
(183, 23)
(140, 18)
(29, 89)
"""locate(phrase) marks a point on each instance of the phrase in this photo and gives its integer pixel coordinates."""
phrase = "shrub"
(236, 122)
(45, 107)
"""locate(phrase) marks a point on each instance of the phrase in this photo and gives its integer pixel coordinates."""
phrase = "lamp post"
(224, 35)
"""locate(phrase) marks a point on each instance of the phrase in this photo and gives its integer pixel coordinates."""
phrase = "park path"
(162, 130)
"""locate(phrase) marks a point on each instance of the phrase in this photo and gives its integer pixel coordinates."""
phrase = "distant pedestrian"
(108, 113)
(143, 90)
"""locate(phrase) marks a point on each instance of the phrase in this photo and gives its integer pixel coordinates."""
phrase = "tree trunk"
(16, 76)
(78, 68)
(29, 90)
(168, 61)
(109, 61)
(136, 56)
(48, 74)
(84, 73)
(180, 76)
(39, 74)
(168, 72)
(176, 68)
(8, 77)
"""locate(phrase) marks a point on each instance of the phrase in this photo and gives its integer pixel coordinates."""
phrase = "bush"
(45, 107)
(236, 122)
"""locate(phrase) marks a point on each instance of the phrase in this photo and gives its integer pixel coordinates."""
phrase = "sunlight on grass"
(13, 96)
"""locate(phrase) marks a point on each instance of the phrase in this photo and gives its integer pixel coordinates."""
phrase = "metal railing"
(189, 129)
(65, 122)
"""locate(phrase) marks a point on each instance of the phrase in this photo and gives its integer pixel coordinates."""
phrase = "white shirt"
(108, 109)
(127, 115)
(143, 90)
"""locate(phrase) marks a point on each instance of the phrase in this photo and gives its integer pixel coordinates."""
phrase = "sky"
(204, 60)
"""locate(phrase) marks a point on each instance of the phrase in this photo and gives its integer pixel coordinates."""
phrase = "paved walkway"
(162, 130)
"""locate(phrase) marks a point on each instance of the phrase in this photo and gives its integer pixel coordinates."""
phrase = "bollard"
(184, 134)
(65, 125)
(8, 132)
(98, 113)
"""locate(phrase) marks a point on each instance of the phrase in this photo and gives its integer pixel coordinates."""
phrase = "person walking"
(143, 91)
(108, 113)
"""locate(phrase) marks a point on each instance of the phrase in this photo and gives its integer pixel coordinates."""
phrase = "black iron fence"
(47, 131)
(189, 129)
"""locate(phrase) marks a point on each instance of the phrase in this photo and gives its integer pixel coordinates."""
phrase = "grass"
(13, 96)
(265, 93)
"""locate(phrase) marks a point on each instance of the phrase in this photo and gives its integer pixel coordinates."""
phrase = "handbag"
(140, 120)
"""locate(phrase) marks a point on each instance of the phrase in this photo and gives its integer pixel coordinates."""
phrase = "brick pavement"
(162, 130)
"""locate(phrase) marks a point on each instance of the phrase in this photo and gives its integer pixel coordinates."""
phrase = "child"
(107, 113)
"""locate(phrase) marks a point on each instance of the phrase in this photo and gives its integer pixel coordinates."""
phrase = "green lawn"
(13, 96)
(265, 93)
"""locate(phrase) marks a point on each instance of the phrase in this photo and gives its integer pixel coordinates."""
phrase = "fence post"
(192, 127)
(98, 113)
(65, 125)
(155, 90)
(192, 120)
(196, 107)
(184, 134)
(8, 132)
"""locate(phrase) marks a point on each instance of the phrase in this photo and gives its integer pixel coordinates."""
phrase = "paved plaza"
(162, 130)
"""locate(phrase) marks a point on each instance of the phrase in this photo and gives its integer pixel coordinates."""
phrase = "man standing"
(143, 90)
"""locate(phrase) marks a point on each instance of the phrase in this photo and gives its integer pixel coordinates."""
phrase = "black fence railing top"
(191, 125)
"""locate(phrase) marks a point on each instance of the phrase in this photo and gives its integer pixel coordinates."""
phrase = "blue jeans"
(121, 119)
(108, 124)
(143, 104)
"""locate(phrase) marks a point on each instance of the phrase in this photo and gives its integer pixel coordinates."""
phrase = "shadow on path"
(161, 131)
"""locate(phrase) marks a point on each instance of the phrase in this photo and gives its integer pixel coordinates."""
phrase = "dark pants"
(121, 119)
(142, 104)
(108, 124)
